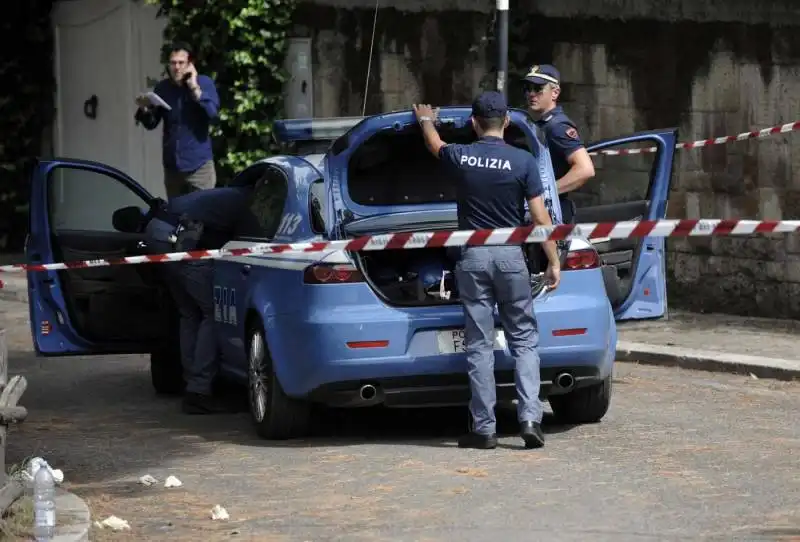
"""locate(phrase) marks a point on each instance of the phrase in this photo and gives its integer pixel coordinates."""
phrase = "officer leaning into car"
(572, 164)
(199, 220)
(493, 180)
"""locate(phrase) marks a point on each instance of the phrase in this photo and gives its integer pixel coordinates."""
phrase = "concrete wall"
(709, 68)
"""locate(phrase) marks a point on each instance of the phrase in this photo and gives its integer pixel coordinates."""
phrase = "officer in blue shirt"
(187, 156)
(572, 164)
(493, 181)
(201, 220)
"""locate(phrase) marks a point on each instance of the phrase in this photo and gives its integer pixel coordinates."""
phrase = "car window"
(269, 199)
(618, 179)
(84, 200)
(316, 201)
(396, 168)
(250, 175)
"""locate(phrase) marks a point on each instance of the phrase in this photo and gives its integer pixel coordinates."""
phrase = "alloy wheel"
(259, 378)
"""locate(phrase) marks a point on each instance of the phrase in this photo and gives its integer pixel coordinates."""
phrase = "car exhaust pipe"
(564, 381)
(367, 392)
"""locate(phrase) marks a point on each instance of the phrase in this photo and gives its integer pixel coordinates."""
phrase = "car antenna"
(369, 63)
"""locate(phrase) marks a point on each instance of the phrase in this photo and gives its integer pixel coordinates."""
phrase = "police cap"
(542, 74)
(490, 104)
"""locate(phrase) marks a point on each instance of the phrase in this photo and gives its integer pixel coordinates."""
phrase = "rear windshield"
(395, 168)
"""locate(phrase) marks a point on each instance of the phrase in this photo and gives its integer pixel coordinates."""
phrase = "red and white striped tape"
(792, 126)
(439, 239)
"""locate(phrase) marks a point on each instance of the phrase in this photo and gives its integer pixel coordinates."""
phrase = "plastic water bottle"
(44, 504)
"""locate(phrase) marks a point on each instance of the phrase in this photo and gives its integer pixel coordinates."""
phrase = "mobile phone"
(186, 77)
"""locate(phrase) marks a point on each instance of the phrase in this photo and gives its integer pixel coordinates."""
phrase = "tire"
(276, 415)
(584, 405)
(166, 372)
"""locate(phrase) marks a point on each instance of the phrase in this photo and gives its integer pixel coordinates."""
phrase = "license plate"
(452, 341)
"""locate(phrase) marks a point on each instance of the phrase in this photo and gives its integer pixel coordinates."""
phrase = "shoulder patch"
(572, 133)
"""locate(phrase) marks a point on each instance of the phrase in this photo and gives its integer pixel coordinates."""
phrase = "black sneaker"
(532, 434)
(478, 441)
(198, 403)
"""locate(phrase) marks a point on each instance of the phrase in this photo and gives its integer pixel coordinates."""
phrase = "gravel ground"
(681, 455)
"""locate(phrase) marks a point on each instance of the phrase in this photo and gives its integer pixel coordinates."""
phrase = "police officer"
(571, 163)
(493, 180)
(200, 220)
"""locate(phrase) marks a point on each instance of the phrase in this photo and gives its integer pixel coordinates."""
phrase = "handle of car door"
(245, 270)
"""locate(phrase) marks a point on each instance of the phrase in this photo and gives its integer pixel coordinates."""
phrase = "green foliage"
(241, 45)
(26, 109)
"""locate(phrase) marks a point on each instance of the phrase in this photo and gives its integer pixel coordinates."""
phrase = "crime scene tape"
(792, 126)
(441, 239)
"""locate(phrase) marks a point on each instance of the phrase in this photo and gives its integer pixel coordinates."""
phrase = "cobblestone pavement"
(681, 456)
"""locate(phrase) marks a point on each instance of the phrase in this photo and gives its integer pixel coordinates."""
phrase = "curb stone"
(706, 360)
(73, 507)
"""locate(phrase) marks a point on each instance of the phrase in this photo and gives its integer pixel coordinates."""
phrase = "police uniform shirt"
(223, 211)
(562, 138)
(493, 180)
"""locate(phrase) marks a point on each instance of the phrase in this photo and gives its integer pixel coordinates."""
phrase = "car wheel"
(276, 415)
(166, 372)
(584, 405)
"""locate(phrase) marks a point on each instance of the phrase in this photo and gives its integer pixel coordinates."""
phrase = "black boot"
(198, 403)
(478, 441)
(532, 434)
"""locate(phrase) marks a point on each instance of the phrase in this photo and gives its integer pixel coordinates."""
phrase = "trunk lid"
(380, 176)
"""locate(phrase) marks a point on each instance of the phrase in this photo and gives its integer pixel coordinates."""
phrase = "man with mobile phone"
(193, 104)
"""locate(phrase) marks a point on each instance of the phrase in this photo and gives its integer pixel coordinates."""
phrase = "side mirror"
(128, 219)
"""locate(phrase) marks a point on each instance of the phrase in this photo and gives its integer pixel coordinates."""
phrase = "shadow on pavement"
(98, 418)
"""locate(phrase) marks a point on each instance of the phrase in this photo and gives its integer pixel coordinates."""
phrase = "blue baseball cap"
(542, 74)
(490, 104)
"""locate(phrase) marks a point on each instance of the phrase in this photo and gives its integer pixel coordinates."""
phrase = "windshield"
(395, 168)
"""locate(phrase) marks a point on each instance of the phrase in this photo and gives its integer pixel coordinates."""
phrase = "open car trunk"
(411, 277)
(418, 277)
(394, 168)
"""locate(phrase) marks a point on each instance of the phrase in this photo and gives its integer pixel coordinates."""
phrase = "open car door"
(631, 187)
(95, 310)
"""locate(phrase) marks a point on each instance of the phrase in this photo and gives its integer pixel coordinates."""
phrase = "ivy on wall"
(26, 110)
(241, 45)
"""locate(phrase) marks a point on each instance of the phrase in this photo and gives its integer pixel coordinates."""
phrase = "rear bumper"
(313, 360)
(441, 389)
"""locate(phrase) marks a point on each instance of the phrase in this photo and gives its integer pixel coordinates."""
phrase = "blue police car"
(343, 329)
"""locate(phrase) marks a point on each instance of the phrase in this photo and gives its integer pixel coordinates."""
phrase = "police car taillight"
(582, 259)
(325, 273)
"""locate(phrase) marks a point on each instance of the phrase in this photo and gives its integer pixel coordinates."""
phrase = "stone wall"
(709, 69)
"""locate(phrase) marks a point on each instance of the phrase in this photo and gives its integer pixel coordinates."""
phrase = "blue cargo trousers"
(498, 275)
(191, 286)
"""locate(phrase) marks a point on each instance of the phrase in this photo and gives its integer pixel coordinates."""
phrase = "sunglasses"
(533, 88)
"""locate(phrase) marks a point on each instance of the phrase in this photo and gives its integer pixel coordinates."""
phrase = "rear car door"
(92, 310)
(631, 187)
(234, 278)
